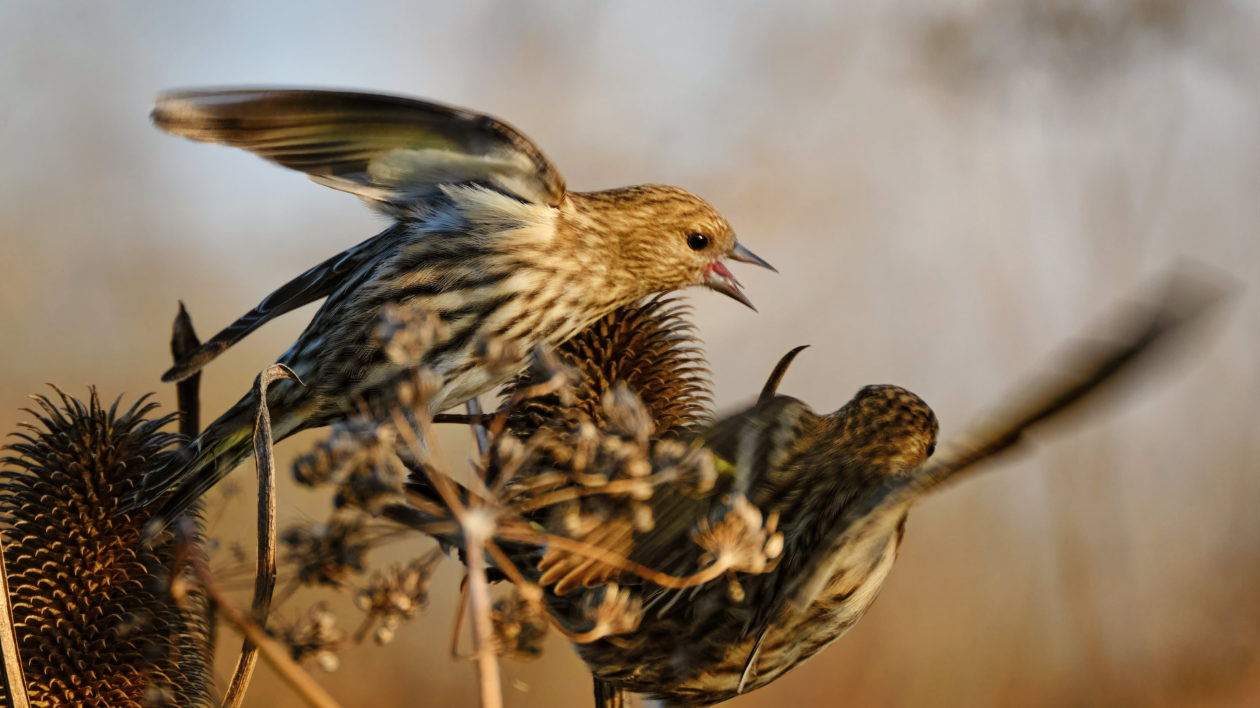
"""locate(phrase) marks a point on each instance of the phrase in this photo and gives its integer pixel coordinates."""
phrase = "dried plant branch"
(272, 651)
(265, 577)
(522, 533)
(14, 677)
(479, 431)
(184, 341)
(478, 529)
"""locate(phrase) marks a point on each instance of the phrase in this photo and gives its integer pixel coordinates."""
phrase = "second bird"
(486, 238)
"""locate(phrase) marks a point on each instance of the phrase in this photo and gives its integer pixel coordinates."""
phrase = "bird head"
(889, 428)
(671, 239)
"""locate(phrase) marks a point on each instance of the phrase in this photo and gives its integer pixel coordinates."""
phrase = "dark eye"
(697, 242)
(931, 449)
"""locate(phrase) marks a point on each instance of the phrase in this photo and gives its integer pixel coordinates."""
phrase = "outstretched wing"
(318, 282)
(392, 151)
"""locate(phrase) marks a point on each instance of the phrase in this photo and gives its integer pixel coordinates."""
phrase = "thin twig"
(272, 651)
(265, 575)
(479, 430)
(479, 528)
(14, 677)
(184, 341)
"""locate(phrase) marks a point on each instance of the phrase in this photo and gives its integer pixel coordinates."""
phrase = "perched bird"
(487, 239)
(701, 645)
(830, 493)
(701, 642)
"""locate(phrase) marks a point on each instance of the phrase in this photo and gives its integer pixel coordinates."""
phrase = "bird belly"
(794, 636)
(855, 581)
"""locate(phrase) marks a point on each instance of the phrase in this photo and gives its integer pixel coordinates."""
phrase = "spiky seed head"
(96, 620)
(650, 347)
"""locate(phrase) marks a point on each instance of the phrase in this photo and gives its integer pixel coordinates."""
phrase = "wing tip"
(194, 362)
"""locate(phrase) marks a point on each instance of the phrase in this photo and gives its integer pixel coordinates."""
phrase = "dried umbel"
(96, 620)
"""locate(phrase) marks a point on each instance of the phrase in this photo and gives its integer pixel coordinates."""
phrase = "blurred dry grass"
(949, 191)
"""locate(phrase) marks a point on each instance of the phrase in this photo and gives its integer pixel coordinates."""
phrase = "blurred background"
(949, 189)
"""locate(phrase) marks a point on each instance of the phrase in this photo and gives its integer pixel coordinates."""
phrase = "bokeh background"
(949, 190)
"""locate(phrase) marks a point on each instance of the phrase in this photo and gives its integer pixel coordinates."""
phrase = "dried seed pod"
(650, 348)
(99, 620)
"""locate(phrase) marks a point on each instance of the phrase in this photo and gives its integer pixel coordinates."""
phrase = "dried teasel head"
(96, 620)
(650, 347)
(637, 380)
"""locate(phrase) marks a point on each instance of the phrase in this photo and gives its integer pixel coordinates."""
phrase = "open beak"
(722, 280)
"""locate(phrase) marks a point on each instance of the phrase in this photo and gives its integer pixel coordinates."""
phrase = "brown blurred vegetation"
(948, 191)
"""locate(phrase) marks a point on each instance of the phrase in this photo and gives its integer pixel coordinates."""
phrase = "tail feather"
(206, 460)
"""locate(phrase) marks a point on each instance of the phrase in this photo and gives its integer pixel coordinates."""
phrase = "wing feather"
(390, 150)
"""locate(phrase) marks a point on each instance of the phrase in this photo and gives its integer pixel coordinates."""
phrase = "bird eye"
(697, 242)
(931, 449)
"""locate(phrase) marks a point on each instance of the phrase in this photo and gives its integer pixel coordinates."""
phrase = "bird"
(832, 493)
(639, 392)
(485, 237)
(703, 644)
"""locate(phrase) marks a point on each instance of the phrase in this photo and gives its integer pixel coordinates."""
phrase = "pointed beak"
(721, 280)
(743, 255)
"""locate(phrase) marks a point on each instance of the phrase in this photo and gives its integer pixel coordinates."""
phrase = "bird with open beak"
(486, 238)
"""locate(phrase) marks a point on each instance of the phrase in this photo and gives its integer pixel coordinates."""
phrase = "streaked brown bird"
(698, 644)
(704, 644)
(835, 488)
(487, 239)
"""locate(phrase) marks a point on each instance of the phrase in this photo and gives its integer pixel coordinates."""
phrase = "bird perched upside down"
(822, 498)
(704, 643)
(760, 596)
(487, 239)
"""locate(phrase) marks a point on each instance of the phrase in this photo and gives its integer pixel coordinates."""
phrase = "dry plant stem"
(479, 430)
(477, 531)
(672, 582)
(184, 341)
(272, 651)
(14, 677)
(265, 575)
(478, 528)
(615, 487)
(444, 485)
(460, 606)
